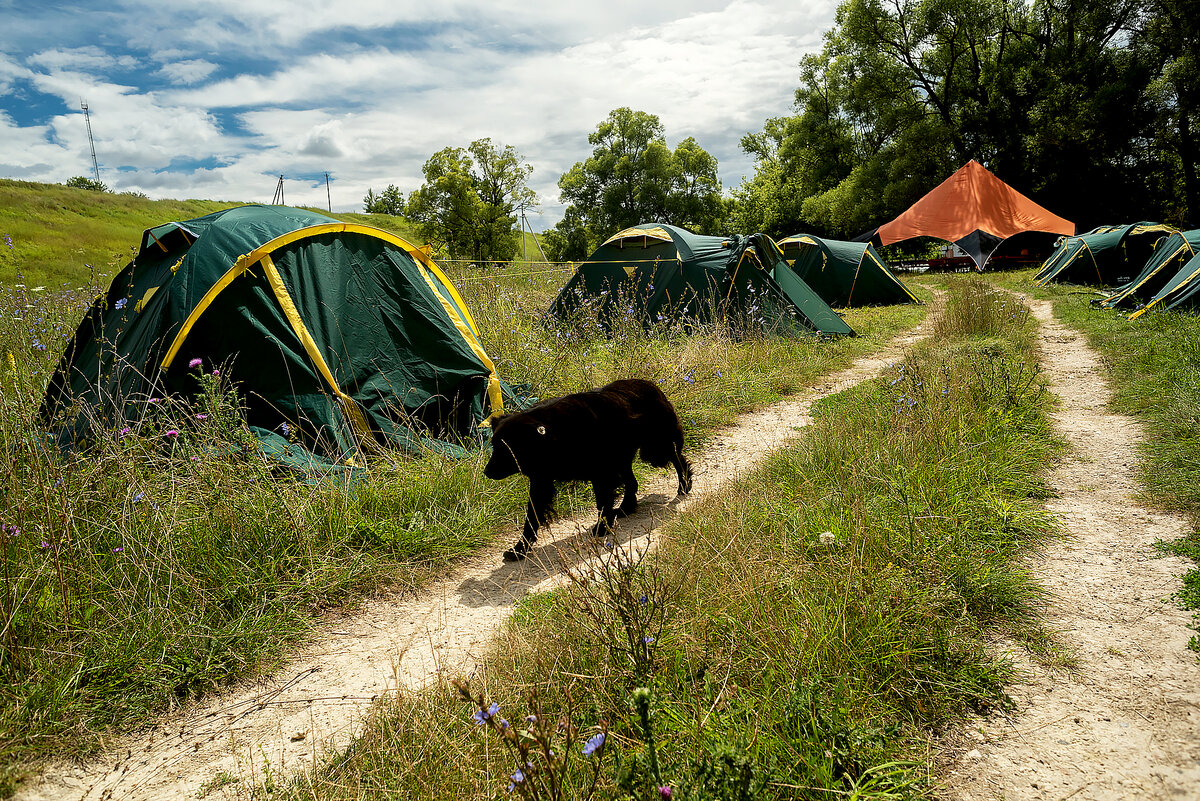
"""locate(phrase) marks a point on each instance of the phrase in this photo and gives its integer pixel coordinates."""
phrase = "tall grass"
(816, 622)
(173, 557)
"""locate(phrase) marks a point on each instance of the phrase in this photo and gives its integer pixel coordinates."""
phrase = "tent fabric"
(844, 273)
(689, 277)
(1181, 292)
(347, 334)
(1170, 254)
(976, 211)
(1105, 256)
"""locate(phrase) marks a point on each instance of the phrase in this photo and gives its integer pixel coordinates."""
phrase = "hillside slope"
(64, 235)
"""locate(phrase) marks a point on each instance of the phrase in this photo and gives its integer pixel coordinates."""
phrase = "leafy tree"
(631, 177)
(389, 201)
(471, 200)
(1052, 95)
(83, 182)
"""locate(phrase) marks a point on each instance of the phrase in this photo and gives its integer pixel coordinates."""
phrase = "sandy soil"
(1125, 724)
(317, 700)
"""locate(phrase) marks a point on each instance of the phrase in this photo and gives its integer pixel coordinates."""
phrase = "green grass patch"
(798, 636)
(157, 565)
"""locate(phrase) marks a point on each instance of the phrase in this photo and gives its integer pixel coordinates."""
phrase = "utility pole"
(87, 119)
(328, 198)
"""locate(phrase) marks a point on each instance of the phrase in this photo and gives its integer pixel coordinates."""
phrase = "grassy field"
(802, 635)
(59, 237)
(1153, 364)
(141, 574)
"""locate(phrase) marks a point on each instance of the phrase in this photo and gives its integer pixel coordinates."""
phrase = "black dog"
(590, 436)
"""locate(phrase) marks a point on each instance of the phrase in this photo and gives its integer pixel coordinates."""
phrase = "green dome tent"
(844, 273)
(660, 272)
(1170, 254)
(1104, 256)
(1181, 291)
(347, 334)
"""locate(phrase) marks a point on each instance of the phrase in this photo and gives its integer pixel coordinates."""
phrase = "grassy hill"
(64, 235)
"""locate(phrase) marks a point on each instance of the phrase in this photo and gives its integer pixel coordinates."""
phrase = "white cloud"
(81, 58)
(187, 71)
(370, 111)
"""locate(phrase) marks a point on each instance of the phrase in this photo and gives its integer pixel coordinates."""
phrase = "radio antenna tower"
(91, 143)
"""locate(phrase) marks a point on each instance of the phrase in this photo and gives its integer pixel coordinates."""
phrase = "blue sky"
(217, 99)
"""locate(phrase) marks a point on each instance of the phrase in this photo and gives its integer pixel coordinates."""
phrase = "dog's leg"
(629, 500)
(683, 469)
(541, 498)
(606, 498)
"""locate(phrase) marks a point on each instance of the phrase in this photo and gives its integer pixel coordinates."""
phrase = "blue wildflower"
(285, 428)
(482, 716)
(647, 639)
(121, 303)
(593, 745)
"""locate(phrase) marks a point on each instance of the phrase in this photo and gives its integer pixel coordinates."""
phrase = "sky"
(217, 99)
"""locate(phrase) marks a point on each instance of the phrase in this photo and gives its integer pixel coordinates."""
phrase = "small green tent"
(660, 272)
(347, 334)
(1170, 254)
(1181, 292)
(844, 273)
(1104, 256)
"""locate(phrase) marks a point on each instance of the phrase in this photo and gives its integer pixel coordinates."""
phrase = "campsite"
(917, 284)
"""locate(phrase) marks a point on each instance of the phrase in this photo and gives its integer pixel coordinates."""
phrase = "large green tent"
(659, 272)
(1104, 256)
(341, 335)
(1170, 254)
(844, 273)
(1181, 291)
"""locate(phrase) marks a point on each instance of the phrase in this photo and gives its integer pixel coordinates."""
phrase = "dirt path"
(1126, 723)
(318, 699)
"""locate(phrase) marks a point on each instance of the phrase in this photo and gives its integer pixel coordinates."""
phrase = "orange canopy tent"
(976, 211)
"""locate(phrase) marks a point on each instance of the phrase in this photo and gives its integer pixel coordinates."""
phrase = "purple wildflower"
(482, 716)
(124, 432)
(43, 544)
(118, 549)
(194, 363)
(664, 791)
(285, 428)
(202, 417)
(647, 639)
(171, 432)
(593, 745)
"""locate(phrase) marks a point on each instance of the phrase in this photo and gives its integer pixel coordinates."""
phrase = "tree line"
(1091, 108)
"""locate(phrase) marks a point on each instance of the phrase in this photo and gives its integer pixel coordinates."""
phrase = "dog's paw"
(517, 552)
(600, 529)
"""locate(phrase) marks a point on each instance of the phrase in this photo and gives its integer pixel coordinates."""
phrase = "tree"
(83, 182)
(389, 201)
(631, 177)
(1052, 95)
(471, 200)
